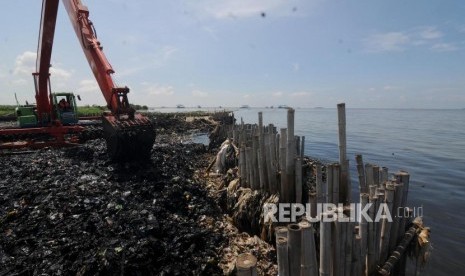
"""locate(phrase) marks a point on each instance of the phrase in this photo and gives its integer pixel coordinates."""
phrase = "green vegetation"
(7, 110)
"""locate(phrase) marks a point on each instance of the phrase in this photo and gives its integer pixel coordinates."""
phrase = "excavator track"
(128, 139)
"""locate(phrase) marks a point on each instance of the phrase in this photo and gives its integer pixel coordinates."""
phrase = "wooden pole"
(256, 175)
(249, 168)
(242, 167)
(282, 256)
(284, 190)
(261, 155)
(309, 265)
(246, 265)
(270, 183)
(302, 148)
(376, 175)
(361, 174)
(363, 232)
(403, 177)
(329, 183)
(325, 246)
(371, 259)
(336, 179)
(320, 198)
(386, 224)
(298, 180)
(297, 145)
(272, 150)
(295, 248)
(280, 231)
(313, 200)
(398, 193)
(369, 175)
(290, 161)
(400, 249)
(344, 174)
(356, 268)
(336, 266)
(349, 247)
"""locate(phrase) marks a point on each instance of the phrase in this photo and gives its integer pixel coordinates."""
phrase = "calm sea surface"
(429, 144)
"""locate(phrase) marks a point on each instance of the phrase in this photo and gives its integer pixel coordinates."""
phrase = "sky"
(309, 53)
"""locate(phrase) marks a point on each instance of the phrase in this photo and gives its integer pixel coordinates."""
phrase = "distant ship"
(283, 106)
(180, 106)
(245, 106)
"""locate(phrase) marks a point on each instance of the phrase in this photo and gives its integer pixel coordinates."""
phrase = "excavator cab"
(64, 105)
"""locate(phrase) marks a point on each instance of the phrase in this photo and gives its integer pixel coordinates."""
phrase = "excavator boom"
(128, 135)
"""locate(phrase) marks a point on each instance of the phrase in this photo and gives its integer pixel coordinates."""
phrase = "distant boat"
(199, 106)
(283, 106)
(245, 106)
(180, 106)
(319, 107)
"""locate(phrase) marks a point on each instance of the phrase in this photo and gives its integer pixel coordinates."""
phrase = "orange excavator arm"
(128, 135)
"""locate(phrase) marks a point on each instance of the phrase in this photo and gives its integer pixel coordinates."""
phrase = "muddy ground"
(74, 212)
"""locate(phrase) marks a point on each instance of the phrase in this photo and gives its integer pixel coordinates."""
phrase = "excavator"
(53, 120)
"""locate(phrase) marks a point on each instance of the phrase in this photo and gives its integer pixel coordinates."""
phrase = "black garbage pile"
(74, 212)
(178, 123)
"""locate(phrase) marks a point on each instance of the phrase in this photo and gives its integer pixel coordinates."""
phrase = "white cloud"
(246, 96)
(387, 42)
(88, 86)
(444, 47)
(300, 94)
(156, 89)
(426, 37)
(278, 94)
(430, 33)
(199, 94)
(25, 63)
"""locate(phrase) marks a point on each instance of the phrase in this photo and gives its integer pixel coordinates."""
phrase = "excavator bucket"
(128, 139)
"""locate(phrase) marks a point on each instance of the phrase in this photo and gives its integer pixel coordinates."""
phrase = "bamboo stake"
(399, 187)
(371, 255)
(325, 246)
(386, 225)
(313, 200)
(255, 170)
(349, 248)
(298, 180)
(320, 198)
(376, 175)
(302, 148)
(400, 249)
(262, 169)
(249, 168)
(336, 247)
(284, 190)
(403, 177)
(280, 231)
(272, 150)
(295, 248)
(329, 183)
(297, 145)
(356, 268)
(290, 162)
(242, 167)
(336, 179)
(246, 265)
(309, 265)
(344, 174)
(282, 256)
(361, 174)
(363, 232)
(343, 226)
(270, 183)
